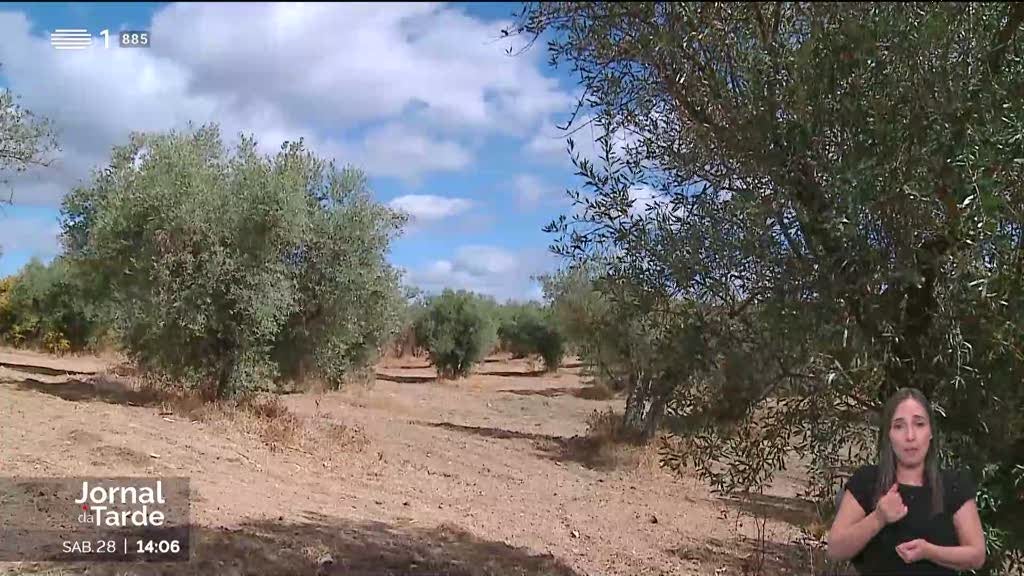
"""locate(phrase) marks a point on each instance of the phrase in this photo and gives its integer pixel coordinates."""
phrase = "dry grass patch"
(259, 415)
(597, 391)
(607, 446)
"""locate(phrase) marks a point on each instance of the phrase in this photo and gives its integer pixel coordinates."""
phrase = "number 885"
(133, 38)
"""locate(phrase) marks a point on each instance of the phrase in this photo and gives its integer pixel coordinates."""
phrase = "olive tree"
(458, 330)
(838, 193)
(26, 139)
(236, 269)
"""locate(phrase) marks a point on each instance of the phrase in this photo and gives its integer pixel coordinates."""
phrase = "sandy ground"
(414, 476)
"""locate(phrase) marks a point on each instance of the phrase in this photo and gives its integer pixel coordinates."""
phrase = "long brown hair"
(887, 458)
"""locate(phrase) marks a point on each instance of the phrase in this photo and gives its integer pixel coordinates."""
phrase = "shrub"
(529, 329)
(7, 317)
(514, 332)
(404, 342)
(550, 344)
(48, 305)
(56, 343)
(457, 331)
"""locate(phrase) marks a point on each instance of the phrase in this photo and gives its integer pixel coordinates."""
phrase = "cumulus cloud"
(94, 98)
(399, 151)
(486, 269)
(642, 197)
(400, 89)
(429, 208)
(533, 192)
(350, 62)
(549, 148)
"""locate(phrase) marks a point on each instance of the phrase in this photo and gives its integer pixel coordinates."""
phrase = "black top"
(879, 556)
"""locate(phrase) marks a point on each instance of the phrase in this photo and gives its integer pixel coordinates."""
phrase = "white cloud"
(349, 62)
(36, 236)
(642, 197)
(483, 261)
(486, 269)
(428, 208)
(397, 150)
(548, 148)
(532, 193)
(94, 97)
(419, 82)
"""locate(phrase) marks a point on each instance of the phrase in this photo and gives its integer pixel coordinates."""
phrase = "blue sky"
(423, 97)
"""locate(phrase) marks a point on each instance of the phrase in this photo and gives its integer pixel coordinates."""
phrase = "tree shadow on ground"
(743, 556)
(596, 453)
(583, 392)
(356, 548)
(588, 452)
(794, 511)
(406, 379)
(96, 389)
(44, 370)
(516, 374)
(546, 392)
(499, 433)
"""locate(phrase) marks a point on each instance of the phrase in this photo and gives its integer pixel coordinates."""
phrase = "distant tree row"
(231, 270)
(45, 305)
(225, 269)
(458, 329)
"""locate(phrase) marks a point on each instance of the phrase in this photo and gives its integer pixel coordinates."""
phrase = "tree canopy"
(838, 206)
(237, 269)
(25, 139)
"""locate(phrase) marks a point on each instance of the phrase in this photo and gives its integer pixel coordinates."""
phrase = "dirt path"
(482, 476)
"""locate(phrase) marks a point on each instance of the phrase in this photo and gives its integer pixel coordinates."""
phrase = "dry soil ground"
(488, 475)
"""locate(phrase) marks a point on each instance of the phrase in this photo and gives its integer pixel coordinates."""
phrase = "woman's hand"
(891, 505)
(914, 550)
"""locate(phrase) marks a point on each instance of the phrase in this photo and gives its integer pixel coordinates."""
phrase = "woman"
(903, 515)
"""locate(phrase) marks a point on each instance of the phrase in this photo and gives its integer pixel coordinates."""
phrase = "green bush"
(550, 344)
(236, 270)
(529, 329)
(458, 331)
(48, 305)
(514, 333)
(404, 342)
(7, 317)
(56, 343)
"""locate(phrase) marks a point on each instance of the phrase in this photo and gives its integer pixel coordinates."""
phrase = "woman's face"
(910, 433)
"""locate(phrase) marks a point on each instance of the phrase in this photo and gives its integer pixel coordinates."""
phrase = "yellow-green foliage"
(56, 343)
(6, 312)
(46, 305)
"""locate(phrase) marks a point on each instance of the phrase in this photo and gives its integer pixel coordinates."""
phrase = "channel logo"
(70, 39)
